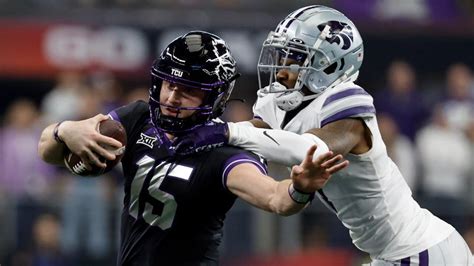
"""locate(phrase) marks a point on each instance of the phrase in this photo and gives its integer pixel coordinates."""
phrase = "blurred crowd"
(80, 214)
(429, 134)
(50, 217)
(448, 14)
(412, 8)
(240, 5)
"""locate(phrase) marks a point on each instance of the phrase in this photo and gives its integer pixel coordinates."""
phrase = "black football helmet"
(198, 60)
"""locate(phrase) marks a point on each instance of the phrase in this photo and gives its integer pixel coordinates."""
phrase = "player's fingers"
(94, 160)
(331, 161)
(100, 117)
(309, 155)
(108, 154)
(323, 157)
(337, 167)
(108, 141)
(296, 170)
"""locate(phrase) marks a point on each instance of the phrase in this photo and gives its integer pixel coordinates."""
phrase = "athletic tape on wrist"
(299, 196)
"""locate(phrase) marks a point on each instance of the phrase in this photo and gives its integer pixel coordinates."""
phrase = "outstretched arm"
(80, 137)
(288, 148)
(284, 147)
(290, 195)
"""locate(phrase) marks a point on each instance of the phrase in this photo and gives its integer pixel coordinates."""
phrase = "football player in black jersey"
(175, 205)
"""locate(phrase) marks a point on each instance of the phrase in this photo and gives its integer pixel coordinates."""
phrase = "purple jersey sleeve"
(241, 158)
(113, 114)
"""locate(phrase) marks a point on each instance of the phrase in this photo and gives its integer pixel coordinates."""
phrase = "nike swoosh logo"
(270, 137)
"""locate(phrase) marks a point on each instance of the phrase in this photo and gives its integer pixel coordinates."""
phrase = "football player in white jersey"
(307, 95)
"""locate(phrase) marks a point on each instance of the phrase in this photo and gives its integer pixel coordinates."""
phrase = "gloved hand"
(203, 138)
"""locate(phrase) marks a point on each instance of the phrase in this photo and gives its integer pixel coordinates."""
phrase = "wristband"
(299, 196)
(56, 135)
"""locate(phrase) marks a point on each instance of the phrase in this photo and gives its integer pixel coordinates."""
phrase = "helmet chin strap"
(288, 101)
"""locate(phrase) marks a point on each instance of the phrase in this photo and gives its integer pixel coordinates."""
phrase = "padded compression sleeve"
(244, 123)
(278, 146)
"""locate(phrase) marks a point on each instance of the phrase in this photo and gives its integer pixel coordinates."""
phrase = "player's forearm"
(278, 146)
(49, 149)
(263, 192)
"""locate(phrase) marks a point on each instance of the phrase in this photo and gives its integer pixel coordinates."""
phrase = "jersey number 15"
(144, 201)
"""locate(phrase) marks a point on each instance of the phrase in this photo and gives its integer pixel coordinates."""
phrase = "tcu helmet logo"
(176, 72)
(339, 32)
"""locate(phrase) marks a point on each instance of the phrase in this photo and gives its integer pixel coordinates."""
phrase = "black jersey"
(174, 207)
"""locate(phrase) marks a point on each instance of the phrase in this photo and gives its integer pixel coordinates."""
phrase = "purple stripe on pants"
(424, 259)
(405, 261)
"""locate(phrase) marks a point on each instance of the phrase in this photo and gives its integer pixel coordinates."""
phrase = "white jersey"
(370, 196)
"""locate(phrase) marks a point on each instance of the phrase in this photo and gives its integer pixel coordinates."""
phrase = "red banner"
(20, 53)
(35, 49)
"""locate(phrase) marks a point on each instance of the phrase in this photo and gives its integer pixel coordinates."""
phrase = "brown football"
(109, 128)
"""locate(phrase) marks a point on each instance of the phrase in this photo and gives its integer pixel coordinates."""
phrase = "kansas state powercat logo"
(146, 140)
(339, 32)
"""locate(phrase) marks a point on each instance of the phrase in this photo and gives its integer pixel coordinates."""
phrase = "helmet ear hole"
(330, 69)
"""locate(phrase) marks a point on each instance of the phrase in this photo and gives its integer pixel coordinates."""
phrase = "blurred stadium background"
(70, 59)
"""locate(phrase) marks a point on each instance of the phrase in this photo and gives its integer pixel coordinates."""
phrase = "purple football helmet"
(197, 60)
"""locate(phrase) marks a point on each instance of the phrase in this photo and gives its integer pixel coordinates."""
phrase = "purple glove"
(203, 138)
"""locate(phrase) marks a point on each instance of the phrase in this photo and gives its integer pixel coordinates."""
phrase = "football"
(109, 128)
